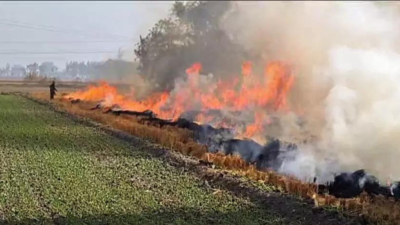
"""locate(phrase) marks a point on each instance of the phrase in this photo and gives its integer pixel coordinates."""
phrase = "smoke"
(346, 64)
(347, 67)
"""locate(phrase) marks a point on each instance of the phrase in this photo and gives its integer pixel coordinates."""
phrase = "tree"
(191, 33)
(160, 52)
(33, 68)
(113, 69)
(47, 68)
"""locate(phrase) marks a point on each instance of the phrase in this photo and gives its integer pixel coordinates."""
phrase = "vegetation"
(191, 33)
(377, 209)
(111, 70)
(56, 171)
(36, 77)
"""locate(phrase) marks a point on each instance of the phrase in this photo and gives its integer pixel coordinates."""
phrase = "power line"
(89, 3)
(49, 29)
(60, 42)
(54, 53)
(56, 29)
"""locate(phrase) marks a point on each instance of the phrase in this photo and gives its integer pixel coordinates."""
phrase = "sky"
(74, 31)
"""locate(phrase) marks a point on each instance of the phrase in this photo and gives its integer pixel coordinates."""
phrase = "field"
(53, 167)
(55, 170)
(378, 209)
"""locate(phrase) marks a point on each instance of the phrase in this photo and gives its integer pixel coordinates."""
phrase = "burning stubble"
(345, 59)
(327, 81)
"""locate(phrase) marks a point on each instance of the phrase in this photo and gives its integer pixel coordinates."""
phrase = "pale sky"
(70, 27)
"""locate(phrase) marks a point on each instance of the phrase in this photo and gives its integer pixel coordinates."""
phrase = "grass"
(377, 209)
(56, 171)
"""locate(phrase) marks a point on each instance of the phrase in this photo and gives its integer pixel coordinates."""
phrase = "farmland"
(57, 171)
(52, 167)
(376, 208)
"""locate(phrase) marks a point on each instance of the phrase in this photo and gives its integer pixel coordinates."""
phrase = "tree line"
(112, 69)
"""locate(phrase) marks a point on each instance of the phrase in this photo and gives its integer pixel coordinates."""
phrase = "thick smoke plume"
(323, 75)
(346, 62)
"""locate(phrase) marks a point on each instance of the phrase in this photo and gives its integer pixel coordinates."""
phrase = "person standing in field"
(53, 90)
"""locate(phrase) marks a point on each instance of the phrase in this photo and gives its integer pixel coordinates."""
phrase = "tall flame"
(239, 94)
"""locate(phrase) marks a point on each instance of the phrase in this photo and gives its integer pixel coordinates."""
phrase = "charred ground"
(269, 156)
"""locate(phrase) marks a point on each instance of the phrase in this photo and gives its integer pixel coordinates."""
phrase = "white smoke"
(362, 110)
(347, 67)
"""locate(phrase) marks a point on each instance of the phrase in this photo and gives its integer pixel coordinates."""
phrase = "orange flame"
(268, 94)
(194, 69)
(247, 69)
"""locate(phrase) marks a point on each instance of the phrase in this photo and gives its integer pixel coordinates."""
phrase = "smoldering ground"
(345, 58)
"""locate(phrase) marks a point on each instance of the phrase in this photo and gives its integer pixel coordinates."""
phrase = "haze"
(73, 31)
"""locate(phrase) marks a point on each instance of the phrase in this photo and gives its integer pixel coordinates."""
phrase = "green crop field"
(57, 171)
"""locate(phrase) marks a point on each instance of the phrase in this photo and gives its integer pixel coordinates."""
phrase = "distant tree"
(33, 68)
(72, 69)
(112, 69)
(116, 70)
(47, 68)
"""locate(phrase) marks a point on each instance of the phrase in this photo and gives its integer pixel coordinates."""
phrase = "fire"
(94, 93)
(247, 69)
(194, 69)
(261, 95)
(256, 127)
(279, 83)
